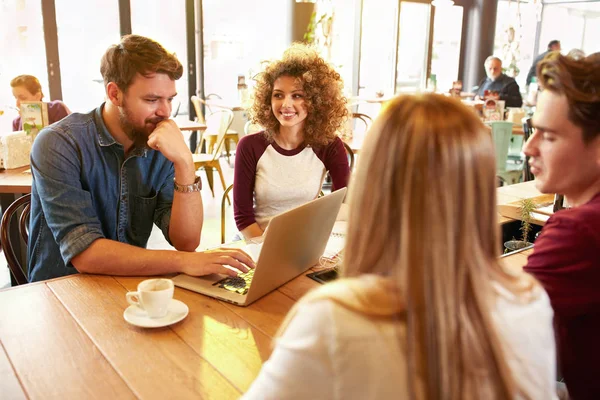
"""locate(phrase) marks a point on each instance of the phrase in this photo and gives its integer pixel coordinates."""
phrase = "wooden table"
(66, 338)
(16, 180)
(189, 125)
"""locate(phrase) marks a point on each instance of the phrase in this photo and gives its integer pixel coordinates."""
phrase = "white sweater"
(329, 352)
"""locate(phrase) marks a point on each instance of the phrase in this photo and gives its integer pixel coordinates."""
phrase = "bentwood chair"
(208, 138)
(12, 259)
(223, 211)
(361, 122)
(217, 124)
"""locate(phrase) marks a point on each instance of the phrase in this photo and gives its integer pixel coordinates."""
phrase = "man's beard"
(139, 135)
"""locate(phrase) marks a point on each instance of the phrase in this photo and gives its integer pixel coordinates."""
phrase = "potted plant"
(527, 207)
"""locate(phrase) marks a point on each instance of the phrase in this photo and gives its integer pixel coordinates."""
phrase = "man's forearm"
(187, 213)
(109, 257)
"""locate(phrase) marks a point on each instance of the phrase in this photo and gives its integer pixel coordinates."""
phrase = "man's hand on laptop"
(224, 261)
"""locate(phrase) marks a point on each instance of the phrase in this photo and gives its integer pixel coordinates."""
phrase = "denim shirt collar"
(106, 139)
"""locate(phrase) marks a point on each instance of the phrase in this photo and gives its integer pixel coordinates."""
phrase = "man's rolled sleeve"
(56, 166)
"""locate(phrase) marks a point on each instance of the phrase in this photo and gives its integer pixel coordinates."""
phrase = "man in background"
(564, 154)
(499, 86)
(553, 45)
(28, 88)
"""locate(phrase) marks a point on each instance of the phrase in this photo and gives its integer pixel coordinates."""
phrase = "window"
(447, 35)
(21, 37)
(85, 31)
(166, 25)
(238, 35)
(583, 20)
(516, 51)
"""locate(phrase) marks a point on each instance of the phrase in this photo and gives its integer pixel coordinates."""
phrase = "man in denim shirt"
(101, 179)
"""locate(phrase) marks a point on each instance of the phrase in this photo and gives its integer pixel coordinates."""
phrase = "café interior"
(381, 49)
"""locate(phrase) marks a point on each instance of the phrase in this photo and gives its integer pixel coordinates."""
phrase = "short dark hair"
(553, 43)
(579, 82)
(137, 54)
(29, 82)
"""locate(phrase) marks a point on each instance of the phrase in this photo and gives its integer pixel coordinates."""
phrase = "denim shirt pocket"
(142, 218)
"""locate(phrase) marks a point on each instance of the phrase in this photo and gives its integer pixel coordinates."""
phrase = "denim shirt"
(85, 189)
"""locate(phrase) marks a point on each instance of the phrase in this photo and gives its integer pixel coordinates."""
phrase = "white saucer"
(138, 317)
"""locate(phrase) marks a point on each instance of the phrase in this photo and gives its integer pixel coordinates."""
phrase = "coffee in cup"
(153, 296)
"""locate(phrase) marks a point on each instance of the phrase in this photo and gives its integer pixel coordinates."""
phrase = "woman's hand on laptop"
(224, 261)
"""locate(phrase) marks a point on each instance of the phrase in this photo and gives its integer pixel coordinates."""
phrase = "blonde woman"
(425, 310)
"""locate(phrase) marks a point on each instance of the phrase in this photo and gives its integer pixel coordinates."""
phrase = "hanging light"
(442, 3)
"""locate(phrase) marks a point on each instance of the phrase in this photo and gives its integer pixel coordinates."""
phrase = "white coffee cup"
(153, 296)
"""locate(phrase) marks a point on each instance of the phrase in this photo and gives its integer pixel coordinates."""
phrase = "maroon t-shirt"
(566, 260)
(269, 180)
(57, 110)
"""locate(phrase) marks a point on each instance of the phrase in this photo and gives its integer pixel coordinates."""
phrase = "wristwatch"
(194, 187)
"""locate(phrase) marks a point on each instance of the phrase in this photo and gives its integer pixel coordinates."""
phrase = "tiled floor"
(211, 230)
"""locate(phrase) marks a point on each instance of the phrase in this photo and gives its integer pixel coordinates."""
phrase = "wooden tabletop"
(16, 180)
(66, 338)
(189, 125)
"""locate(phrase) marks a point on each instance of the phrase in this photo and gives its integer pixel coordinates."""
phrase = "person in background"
(28, 88)
(553, 45)
(564, 154)
(424, 309)
(299, 102)
(500, 85)
(101, 179)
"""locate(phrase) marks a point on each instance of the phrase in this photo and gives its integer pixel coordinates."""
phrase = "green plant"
(527, 207)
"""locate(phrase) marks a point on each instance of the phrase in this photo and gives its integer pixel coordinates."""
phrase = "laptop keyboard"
(238, 284)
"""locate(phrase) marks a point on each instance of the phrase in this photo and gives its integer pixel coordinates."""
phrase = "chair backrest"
(527, 132)
(197, 103)
(350, 155)
(250, 128)
(218, 123)
(223, 205)
(12, 259)
(362, 119)
(501, 132)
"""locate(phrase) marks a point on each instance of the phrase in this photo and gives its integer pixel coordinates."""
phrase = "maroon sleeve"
(17, 124)
(336, 162)
(566, 260)
(57, 110)
(248, 152)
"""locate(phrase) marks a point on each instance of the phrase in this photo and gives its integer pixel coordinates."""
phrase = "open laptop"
(294, 242)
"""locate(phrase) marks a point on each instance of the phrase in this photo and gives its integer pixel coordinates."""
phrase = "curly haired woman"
(299, 102)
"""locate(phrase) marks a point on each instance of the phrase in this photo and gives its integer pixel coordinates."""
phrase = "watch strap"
(194, 187)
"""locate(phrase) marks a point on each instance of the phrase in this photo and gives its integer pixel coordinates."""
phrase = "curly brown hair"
(325, 103)
(579, 81)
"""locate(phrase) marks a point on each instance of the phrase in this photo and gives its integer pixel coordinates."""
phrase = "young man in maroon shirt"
(564, 156)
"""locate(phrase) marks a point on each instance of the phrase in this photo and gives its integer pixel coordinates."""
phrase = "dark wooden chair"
(12, 259)
(527, 132)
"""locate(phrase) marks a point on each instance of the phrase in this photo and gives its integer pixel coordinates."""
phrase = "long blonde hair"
(423, 212)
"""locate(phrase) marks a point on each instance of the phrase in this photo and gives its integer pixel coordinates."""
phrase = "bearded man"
(100, 180)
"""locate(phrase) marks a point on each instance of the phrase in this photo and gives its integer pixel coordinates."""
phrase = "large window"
(583, 20)
(447, 35)
(238, 35)
(515, 38)
(167, 26)
(85, 30)
(23, 52)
